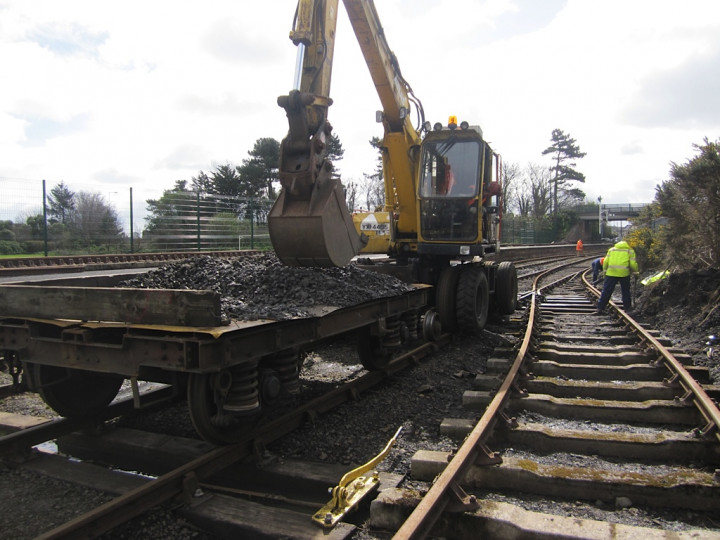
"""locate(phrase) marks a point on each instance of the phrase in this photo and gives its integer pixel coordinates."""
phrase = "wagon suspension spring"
(242, 389)
(392, 337)
(285, 365)
(412, 321)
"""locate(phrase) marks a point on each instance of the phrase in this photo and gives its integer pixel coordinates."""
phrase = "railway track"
(201, 468)
(590, 409)
(27, 266)
(520, 452)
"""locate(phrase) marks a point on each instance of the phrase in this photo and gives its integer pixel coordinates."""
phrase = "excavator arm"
(310, 224)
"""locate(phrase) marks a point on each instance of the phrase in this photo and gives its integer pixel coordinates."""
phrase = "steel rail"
(184, 479)
(20, 441)
(690, 386)
(445, 489)
(79, 263)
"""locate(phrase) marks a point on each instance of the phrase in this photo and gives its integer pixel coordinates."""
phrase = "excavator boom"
(310, 223)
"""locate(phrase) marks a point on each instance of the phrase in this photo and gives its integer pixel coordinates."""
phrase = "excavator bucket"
(318, 231)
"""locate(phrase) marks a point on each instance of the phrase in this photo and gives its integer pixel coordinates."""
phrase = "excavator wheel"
(473, 299)
(506, 288)
(446, 298)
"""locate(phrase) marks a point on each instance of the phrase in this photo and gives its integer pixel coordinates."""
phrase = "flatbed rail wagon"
(76, 344)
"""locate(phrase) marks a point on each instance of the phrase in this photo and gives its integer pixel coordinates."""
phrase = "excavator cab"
(456, 206)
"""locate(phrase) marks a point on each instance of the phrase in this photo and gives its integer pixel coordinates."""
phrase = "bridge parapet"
(613, 212)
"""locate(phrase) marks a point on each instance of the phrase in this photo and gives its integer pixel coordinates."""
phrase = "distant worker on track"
(597, 265)
(619, 263)
(579, 248)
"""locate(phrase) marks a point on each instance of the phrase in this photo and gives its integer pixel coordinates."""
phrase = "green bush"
(647, 245)
(10, 248)
(33, 246)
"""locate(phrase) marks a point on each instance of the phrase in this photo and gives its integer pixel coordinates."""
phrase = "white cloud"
(147, 93)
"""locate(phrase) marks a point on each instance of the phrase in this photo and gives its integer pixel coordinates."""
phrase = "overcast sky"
(119, 94)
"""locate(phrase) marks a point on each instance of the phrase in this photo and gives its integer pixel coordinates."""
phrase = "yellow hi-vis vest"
(620, 260)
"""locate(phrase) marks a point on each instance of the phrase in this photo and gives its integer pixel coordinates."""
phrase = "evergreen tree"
(260, 170)
(226, 181)
(202, 183)
(335, 153)
(374, 189)
(564, 150)
(174, 209)
(61, 204)
(691, 199)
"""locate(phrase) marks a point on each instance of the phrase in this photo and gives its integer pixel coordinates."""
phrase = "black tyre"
(473, 299)
(445, 298)
(74, 393)
(506, 288)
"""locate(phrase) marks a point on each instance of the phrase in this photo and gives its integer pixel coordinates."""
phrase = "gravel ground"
(417, 400)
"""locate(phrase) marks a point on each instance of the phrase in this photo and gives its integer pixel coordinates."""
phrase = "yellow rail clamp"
(353, 487)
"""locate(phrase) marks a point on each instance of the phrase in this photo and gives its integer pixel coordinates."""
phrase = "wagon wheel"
(74, 393)
(209, 419)
(473, 299)
(373, 355)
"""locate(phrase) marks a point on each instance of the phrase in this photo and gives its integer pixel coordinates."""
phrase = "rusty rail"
(692, 390)
(446, 491)
(185, 478)
(81, 263)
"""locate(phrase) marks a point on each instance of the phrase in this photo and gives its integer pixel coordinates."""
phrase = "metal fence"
(126, 219)
(517, 230)
(104, 219)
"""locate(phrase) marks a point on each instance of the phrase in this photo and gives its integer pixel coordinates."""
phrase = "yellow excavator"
(442, 184)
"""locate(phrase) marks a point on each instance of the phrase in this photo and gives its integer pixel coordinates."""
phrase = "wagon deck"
(119, 330)
(77, 343)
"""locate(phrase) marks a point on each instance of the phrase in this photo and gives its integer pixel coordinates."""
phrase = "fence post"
(198, 219)
(252, 224)
(132, 234)
(45, 228)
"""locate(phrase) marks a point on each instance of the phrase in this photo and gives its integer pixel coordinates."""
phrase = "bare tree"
(373, 191)
(351, 194)
(511, 177)
(541, 189)
(523, 198)
(94, 221)
(373, 187)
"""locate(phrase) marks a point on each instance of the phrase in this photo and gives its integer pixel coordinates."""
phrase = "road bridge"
(607, 213)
